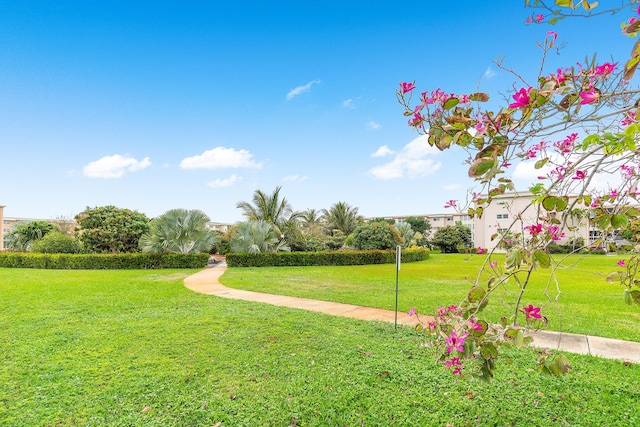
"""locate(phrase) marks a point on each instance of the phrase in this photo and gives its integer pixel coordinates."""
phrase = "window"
(435, 219)
(503, 216)
(450, 218)
(6, 221)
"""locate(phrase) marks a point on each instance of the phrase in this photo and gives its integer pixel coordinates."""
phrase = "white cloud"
(373, 125)
(383, 151)
(220, 158)
(489, 73)
(411, 162)
(114, 166)
(227, 182)
(348, 103)
(301, 89)
(295, 178)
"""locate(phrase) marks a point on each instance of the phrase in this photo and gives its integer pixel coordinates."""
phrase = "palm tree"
(267, 207)
(341, 216)
(179, 231)
(256, 236)
(407, 234)
(273, 210)
(24, 234)
(312, 221)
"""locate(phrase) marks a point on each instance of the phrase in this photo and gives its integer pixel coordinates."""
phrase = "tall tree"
(108, 229)
(267, 207)
(312, 221)
(179, 231)
(343, 217)
(275, 210)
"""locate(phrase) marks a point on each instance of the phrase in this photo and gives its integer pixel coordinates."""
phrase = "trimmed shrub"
(375, 235)
(128, 261)
(55, 242)
(290, 259)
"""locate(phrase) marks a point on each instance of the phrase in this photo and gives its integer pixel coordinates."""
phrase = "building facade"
(511, 212)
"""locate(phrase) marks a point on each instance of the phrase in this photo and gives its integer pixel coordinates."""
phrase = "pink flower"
(554, 37)
(407, 87)
(580, 175)
(605, 69)
(621, 263)
(567, 145)
(412, 311)
(455, 342)
(554, 232)
(481, 251)
(532, 312)
(432, 325)
(521, 97)
(613, 195)
(494, 264)
(534, 229)
(529, 20)
(539, 18)
(416, 120)
(627, 171)
(629, 118)
(454, 363)
(451, 204)
(590, 97)
(452, 308)
(506, 165)
(475, 326)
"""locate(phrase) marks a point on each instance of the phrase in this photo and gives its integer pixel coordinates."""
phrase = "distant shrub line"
(126, 261)
(291, 259)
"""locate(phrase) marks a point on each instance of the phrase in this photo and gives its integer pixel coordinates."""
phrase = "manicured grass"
(95, 348)
(587, 304)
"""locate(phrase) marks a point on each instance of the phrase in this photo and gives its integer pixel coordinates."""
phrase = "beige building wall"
(499, 216)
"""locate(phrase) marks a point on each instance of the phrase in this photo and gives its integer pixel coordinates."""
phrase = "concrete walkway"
(207, 282)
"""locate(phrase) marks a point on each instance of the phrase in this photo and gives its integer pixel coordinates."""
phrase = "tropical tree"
(108, 229)
(273, 209)
(343, 217)
(312, 222)
(255, 237)
(24, 234)
(408, 235)
(449, 238)
(418, 224)
(375, 235)
(179, 231)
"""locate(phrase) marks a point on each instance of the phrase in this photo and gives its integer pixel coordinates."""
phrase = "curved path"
(207, 282)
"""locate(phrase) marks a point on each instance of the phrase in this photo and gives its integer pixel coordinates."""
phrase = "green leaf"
(476, 294)
(480, 167)
(551, 203)
(560, 365)
(619, 221)
(565, 3)
(450, 103)
(540, 163)
(543, 259)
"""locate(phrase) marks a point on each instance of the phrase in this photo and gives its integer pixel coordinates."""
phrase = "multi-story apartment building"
(498, 217)
(437, 221)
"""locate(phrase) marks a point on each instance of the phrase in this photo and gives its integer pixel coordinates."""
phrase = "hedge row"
(289, 259)
(136, 261)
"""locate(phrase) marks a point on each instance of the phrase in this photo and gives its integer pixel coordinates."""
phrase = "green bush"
(55, 242)
(289, 259)
(374, 235)
(128, 261)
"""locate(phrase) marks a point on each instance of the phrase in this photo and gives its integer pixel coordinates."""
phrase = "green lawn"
(587, 304)
(95, 348)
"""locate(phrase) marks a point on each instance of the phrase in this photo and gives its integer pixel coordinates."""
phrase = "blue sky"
(196, 104)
